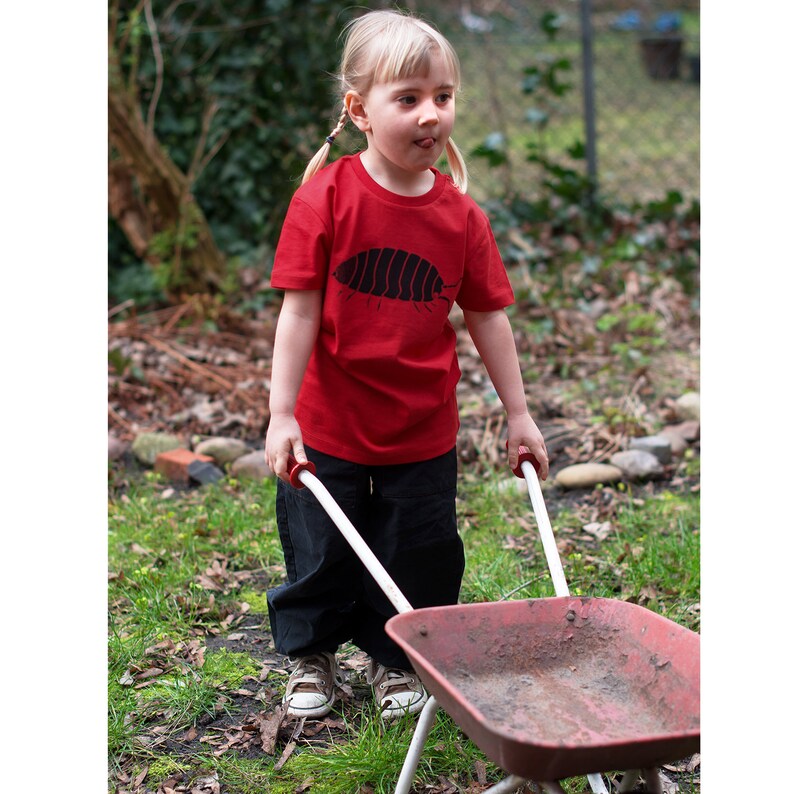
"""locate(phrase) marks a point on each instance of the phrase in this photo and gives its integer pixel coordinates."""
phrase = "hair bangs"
(385, 46)
(412, 54)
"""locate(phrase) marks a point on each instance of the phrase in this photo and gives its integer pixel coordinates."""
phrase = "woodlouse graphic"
(393, 273)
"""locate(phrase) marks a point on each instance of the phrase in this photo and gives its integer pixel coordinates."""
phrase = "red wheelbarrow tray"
(550, 688)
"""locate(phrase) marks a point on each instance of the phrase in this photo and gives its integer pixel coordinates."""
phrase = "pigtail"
(457, 166)
(318, 161)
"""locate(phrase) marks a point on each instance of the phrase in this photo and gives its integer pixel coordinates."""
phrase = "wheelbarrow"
(547, 688)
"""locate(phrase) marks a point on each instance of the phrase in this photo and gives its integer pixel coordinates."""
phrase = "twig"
(522, 586)
(187, 362)
(126, 35)
(120, 308)
(196, 166)
(177, 315)
(114, 415)
(158, 60)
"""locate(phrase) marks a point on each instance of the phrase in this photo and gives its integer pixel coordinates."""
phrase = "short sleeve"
(301, 260)
(485, 286)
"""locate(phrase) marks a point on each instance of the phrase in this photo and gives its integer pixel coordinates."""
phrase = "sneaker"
(397, 692)
(311, 689)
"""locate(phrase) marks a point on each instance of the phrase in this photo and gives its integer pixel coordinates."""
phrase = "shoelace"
(311, 670)
(394, 677)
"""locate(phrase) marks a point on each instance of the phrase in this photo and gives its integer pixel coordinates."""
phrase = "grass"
(160, 617)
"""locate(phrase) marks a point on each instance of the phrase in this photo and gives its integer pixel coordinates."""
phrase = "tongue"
(425, 143)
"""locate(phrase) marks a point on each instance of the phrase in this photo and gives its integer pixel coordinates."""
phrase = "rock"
(512, 485)
(659, 446)
(203, 472)
(678, 443)
(690, 430)
(252, 466)
(116, 447)
(637, 464)
(586, 475)
(687, 406)
(223, 450)
(147, 446)
(681, 435)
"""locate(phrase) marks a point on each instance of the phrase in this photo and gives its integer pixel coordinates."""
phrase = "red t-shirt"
(380, 384)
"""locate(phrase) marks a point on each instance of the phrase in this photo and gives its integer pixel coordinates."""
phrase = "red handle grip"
(525, 454)
(294, 469)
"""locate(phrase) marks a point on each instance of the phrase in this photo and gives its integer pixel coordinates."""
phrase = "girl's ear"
(354, 103)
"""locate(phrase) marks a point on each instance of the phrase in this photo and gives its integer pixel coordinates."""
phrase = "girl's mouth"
(426, 143)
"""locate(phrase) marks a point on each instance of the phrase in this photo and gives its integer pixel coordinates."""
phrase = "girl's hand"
(283, 438)
(522, 431)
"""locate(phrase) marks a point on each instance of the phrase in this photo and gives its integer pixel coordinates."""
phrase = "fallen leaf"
(269, 727)
(668, 786)
(598, 530)
(150, 673)
(479, 767)
(206, 785)
(288, 750)
(140, 777)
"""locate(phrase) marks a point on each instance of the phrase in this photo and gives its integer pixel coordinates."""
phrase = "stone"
(690, 430)
(659, 446)
(637, 464)
(678, 444)
(116, 447)
(203, 472)
(687, 406)
(587, 475)
(147, 446)
(173, 464)
(252, 466)
(222, 450)
(512, 485)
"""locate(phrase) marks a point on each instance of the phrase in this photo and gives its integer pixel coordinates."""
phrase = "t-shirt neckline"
(396, 198)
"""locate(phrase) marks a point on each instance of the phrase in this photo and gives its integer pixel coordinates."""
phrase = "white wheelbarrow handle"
(527, 468)
(301, 474)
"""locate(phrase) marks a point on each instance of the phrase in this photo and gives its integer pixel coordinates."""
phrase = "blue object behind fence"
(668, 23)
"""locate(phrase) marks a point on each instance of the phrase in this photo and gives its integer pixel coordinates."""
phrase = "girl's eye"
(443, 98)
(407, 100)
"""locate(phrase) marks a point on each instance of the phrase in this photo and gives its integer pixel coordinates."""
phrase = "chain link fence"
(646, 92)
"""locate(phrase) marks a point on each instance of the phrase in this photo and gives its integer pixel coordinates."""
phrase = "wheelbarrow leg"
(509, 785)
(651, 776)
(597, 784)
(628, 781)
(421, 732)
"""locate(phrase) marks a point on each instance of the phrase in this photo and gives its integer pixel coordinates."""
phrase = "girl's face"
(407, 124)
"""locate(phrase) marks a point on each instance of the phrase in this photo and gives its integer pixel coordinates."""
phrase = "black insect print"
(393, 273)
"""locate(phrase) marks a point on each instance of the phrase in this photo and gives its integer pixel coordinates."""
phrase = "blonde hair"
(382, 47)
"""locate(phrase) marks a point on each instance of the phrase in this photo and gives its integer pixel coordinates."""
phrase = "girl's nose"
(428, 113)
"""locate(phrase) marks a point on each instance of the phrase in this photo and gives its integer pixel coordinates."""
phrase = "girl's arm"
(493, 338)
(296, 333)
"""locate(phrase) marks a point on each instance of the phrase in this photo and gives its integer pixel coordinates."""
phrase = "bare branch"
(158, 59)
(213, 151)
(123, 43)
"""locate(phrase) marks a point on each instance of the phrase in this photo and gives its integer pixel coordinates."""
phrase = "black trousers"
(406, 515)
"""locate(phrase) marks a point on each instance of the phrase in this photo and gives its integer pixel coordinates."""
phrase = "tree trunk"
(150, 199)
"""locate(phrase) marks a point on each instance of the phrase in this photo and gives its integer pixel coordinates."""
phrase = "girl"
(373, 251)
